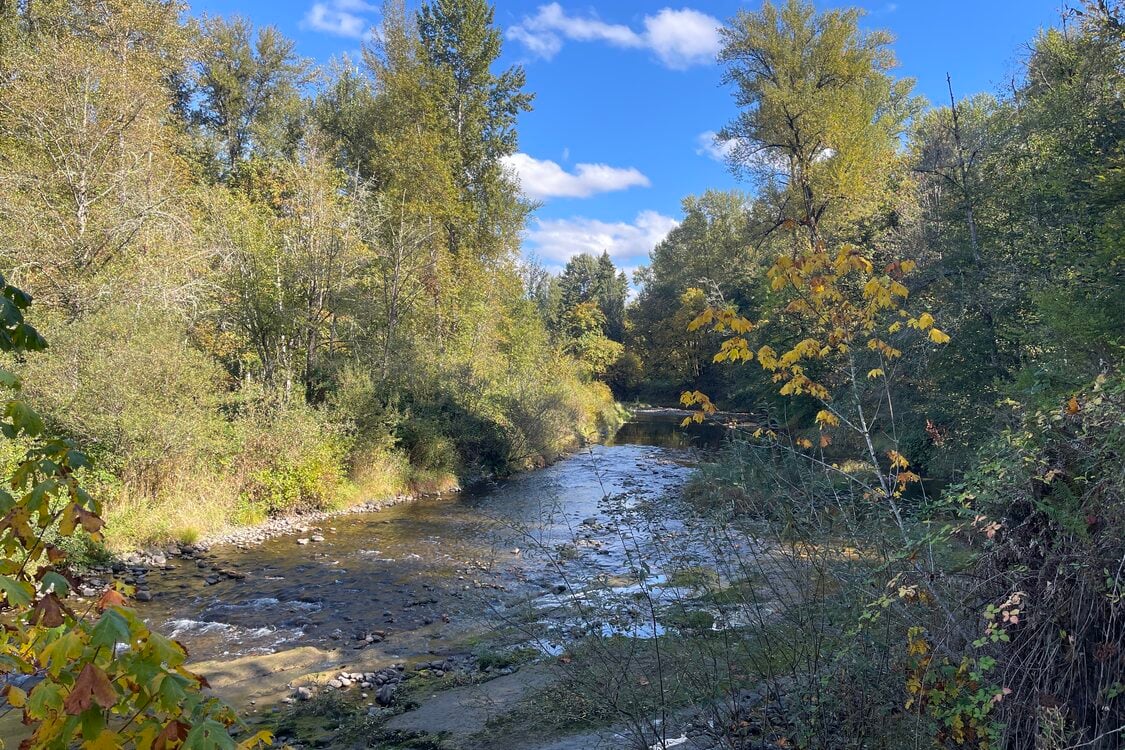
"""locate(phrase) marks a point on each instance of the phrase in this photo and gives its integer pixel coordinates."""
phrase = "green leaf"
(53, 582)
(76, 459)
(45, 699)
(9, 380)
(18, 593)
(208, 735)
(25, 418)
(93, 722)
(110, 629)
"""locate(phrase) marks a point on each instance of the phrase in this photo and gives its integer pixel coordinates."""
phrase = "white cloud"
(682, 38)
(557, 240)
(339, 17)
(719, 149)
(679, 38)
(543, 178)
(360, 6)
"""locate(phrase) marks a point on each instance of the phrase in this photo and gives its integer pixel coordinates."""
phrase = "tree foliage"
(98, 678)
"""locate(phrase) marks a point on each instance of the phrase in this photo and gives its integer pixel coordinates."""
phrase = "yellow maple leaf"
(825, 418)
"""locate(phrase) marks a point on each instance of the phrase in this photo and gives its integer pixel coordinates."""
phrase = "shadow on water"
(665, 431)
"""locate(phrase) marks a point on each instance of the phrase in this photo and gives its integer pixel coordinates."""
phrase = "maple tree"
(97, 677)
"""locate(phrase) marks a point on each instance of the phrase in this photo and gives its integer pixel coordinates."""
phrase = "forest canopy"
(269, 286)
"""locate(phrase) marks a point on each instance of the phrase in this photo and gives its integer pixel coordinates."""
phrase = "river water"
(420, 575)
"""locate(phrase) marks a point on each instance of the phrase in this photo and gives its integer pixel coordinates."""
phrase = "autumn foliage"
(92, 676)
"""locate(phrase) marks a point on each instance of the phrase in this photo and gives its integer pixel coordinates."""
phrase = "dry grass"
(190, 505)
(186, 509)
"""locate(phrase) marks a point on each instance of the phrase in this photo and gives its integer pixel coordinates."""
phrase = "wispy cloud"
(628, 243)
(543, 178)
(679, 38)
(340, 17)
(711, 145)
(742, 152)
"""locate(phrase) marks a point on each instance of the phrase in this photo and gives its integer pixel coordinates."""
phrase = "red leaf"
(110, 598)
(47, 612)
(172, 735)
(92, 686)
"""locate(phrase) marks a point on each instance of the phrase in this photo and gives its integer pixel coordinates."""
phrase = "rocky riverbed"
(467, 604)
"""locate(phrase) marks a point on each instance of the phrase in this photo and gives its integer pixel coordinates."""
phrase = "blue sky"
(627, 94)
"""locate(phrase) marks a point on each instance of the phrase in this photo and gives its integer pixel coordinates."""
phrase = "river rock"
(302, 540)
(386, 695)
(316, 538)
(335, 683)
(304, 693)
(143, 596)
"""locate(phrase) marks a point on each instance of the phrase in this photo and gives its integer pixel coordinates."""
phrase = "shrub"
(1048, 503)
(291, 459)
(125, 382)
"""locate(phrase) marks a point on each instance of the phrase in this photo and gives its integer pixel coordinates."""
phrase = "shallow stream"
(416, 577)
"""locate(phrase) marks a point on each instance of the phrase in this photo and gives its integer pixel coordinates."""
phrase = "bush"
(125, 383)
(1048, 499)
(291, 459)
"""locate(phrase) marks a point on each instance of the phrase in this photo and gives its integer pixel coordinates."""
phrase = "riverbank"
(256, 531)
(508, 601)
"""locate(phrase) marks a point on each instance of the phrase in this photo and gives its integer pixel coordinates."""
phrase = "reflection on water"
(666, 432)
(419, 573)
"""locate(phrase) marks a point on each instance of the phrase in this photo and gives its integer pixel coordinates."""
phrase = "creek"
(415, 579)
